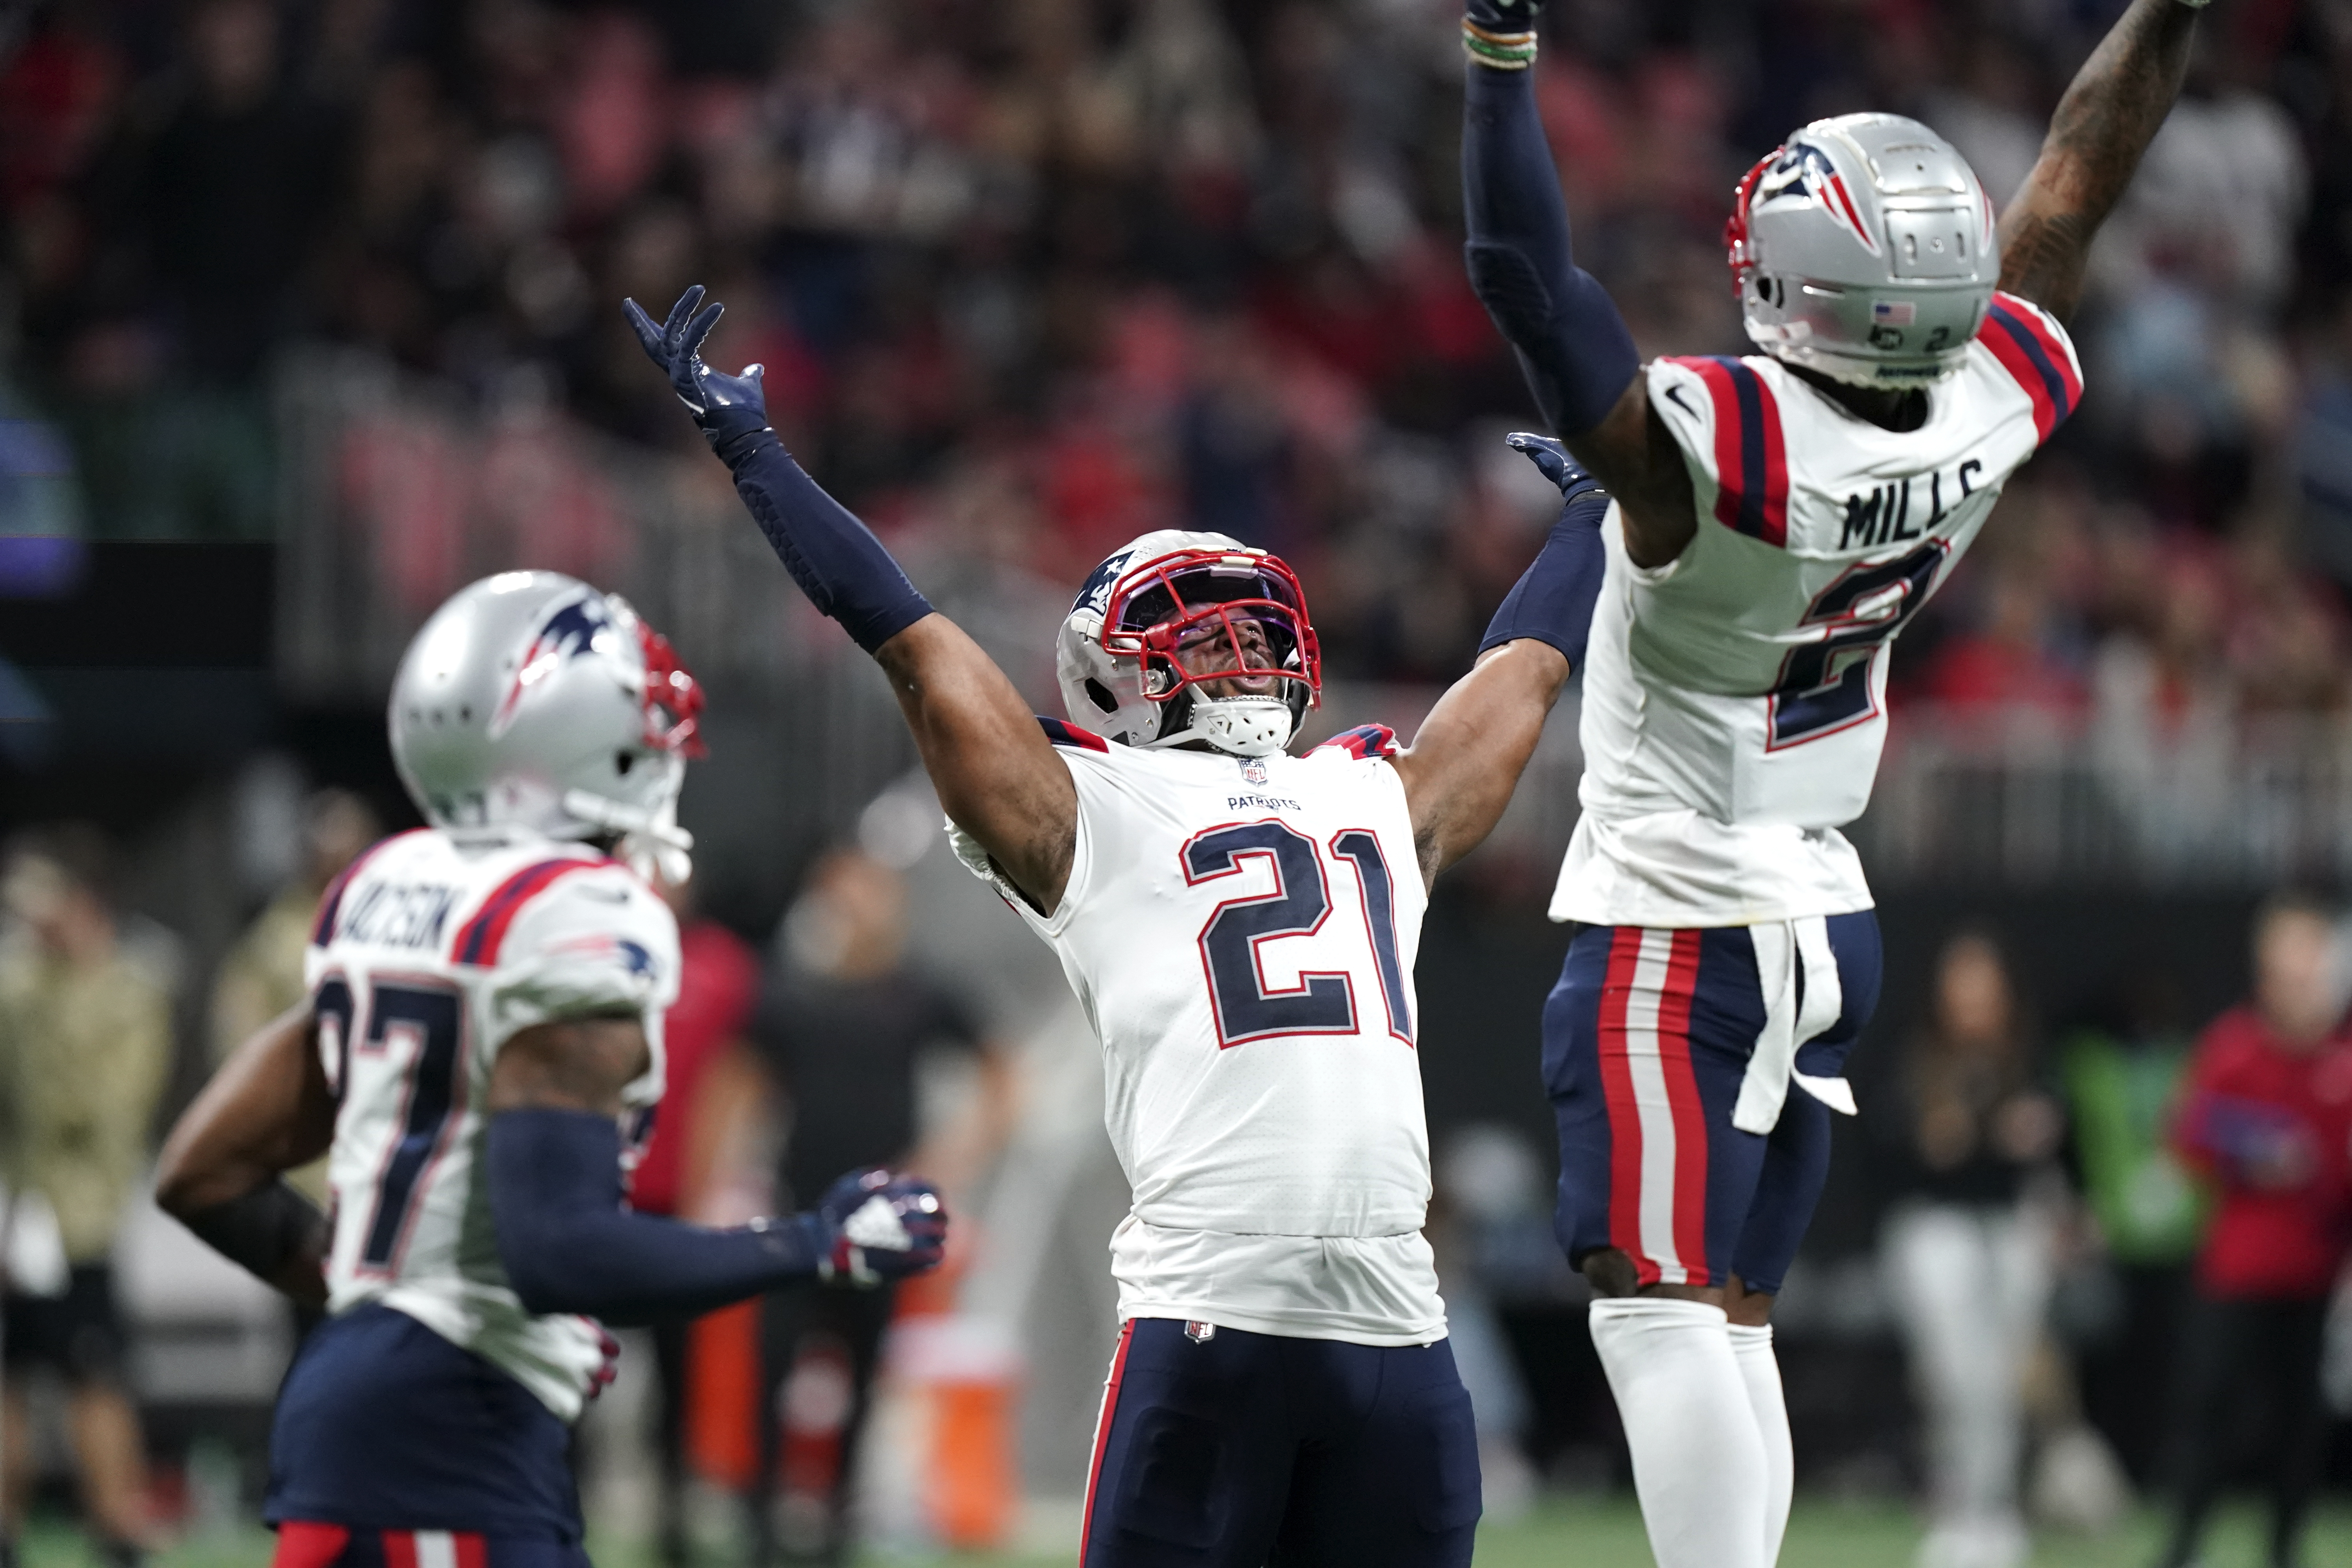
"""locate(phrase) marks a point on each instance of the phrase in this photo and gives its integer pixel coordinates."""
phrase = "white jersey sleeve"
(597, 941)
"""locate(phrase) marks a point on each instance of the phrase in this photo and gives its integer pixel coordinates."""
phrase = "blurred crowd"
(1029, 278)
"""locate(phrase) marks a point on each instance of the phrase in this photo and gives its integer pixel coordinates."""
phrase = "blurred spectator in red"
(2265, 1119)
(717, 986)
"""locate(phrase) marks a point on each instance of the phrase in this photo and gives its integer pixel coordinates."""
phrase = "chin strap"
(651, 841)
(1244, 726)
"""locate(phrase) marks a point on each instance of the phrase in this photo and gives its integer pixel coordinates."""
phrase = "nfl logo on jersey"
(1253, 770)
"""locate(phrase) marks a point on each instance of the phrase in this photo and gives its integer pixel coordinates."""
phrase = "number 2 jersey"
(1734, 699)
(1241, 932)
(428, 955)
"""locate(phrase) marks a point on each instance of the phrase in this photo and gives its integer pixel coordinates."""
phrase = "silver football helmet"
(1863, 249)
(533, 701)
(1171, 590)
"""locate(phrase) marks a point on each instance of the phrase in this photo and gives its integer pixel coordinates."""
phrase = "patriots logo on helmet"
(1804, 170)
(1095, 596)
(569, 632)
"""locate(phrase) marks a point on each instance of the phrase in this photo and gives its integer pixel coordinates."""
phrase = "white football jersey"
(1734, 699)
(1241, 931)
(427, 956)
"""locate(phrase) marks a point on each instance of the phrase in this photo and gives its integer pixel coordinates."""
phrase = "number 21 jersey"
(426, 958)
(1241, 932)
(1734, 699)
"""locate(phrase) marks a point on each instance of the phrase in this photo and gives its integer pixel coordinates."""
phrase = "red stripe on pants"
(399, 1549)
(473, 1551)
(1624, 1114)
(303, 1544)
(1102, 1437)
(1689, 1112)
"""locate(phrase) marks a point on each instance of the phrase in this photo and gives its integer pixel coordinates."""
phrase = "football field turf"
(1602, 1533)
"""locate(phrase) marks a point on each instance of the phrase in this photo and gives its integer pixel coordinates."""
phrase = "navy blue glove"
(726, 409)
(873, 1226)
(1505, 15)
(1557, 463)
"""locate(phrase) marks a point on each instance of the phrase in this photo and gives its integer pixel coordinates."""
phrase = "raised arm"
(1571, 343)
(266, 1111)
(995, 772)
(2105, 123)
(1462, 767)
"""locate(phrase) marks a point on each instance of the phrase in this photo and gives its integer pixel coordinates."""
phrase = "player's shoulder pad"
(1367, 741)
(1732, 400)
(1063, 734)
(2039, 356)
(560, 891)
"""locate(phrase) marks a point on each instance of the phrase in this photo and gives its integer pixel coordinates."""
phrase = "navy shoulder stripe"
(1063, 734)
(1364, 741)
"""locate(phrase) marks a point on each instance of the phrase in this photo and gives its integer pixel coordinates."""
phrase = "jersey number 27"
(425, 1017)
(1246, 1008)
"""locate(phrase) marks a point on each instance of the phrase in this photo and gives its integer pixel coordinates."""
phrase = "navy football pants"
(1240, 1451)
(395, 1449)
(1648, 1039)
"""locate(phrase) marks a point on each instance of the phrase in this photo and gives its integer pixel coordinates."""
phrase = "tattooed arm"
(2104, 124)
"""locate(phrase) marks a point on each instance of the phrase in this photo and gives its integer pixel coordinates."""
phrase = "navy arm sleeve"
(1552, 601)
(835, 558)
(568, 1246)
(1572, 345)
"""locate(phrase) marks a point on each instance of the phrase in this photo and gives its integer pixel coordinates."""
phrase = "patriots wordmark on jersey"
(1241, 931)
(1735, 703)
(427, 956)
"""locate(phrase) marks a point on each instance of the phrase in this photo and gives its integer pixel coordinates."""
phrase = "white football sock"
(1753, 1348)
(1699, 1461)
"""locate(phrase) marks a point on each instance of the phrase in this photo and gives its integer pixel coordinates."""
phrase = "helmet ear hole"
(1099, 695)
(623, 762)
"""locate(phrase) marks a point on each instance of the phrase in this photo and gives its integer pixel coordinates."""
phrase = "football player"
(1240, 924)
(480, 1056)
(1778, 519)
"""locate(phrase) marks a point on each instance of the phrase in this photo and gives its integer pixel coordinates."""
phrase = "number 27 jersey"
(426, 958)
(1734, 699)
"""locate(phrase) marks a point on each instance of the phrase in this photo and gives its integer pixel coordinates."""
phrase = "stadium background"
(307, 315)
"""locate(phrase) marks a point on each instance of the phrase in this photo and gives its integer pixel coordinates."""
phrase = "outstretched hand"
(1557, 463)
(879, 1227)
(724, 406)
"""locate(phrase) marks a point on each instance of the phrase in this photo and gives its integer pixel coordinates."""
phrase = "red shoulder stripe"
(330, 902)
(1751, 460)
(2035, 359)
(478, 939)
(1374, 741)
(1063, 734)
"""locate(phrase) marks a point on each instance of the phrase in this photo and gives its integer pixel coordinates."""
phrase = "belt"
(1785, 951)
